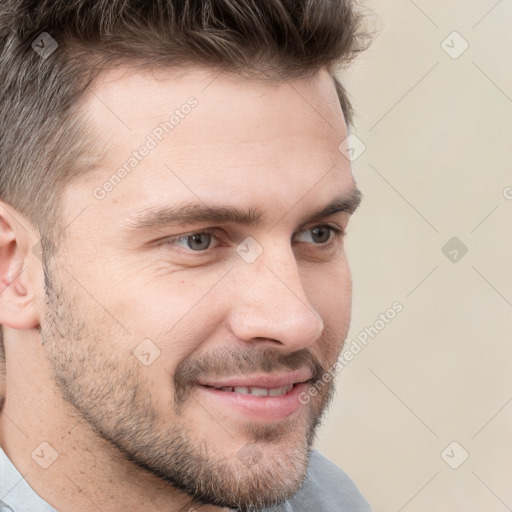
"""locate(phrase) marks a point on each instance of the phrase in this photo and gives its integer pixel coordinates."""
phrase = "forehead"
(208, 135)
(129, 94)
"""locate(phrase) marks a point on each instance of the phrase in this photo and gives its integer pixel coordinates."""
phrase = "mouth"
(262, 398)
(256, 391)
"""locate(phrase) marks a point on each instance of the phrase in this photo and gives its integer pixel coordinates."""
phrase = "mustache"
(228, 361)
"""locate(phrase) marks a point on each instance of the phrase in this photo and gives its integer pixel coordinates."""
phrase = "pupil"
(200, 241)
(321, 234)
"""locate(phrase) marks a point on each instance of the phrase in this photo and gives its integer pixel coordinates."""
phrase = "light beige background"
(438, 158)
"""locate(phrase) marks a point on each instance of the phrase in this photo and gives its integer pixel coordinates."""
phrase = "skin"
(121, 430)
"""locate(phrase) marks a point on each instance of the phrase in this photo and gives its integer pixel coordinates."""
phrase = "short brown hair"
(44, 143)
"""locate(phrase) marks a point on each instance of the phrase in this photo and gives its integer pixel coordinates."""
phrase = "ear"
(21, 271)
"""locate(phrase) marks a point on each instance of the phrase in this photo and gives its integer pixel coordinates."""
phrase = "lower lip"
(262, 408)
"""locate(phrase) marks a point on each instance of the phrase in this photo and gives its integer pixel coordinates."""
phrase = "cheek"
(178, 315)
(329, 289)
(165, 305)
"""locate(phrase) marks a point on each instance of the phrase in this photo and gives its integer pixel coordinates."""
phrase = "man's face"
(205, 265)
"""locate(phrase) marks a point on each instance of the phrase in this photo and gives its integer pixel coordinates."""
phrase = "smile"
(260, 397)
(255, 391)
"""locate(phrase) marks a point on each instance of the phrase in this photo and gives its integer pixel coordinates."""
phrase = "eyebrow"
(199, 212)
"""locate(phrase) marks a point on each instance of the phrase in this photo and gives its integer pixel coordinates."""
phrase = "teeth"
(277, 391)
(259, 391)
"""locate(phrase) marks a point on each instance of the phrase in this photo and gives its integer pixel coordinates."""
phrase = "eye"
(202, 241)
(197, 242)
(320, 234)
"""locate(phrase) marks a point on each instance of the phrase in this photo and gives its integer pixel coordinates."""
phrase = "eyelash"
(336, 231)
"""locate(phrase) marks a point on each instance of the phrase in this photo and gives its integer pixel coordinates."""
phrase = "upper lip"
(263, 380)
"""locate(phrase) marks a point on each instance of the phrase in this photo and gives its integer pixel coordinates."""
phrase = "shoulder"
(327, 488)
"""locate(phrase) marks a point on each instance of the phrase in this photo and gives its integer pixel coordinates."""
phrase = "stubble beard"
(111, 393)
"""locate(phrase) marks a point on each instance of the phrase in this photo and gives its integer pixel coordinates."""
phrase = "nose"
(271, 304)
